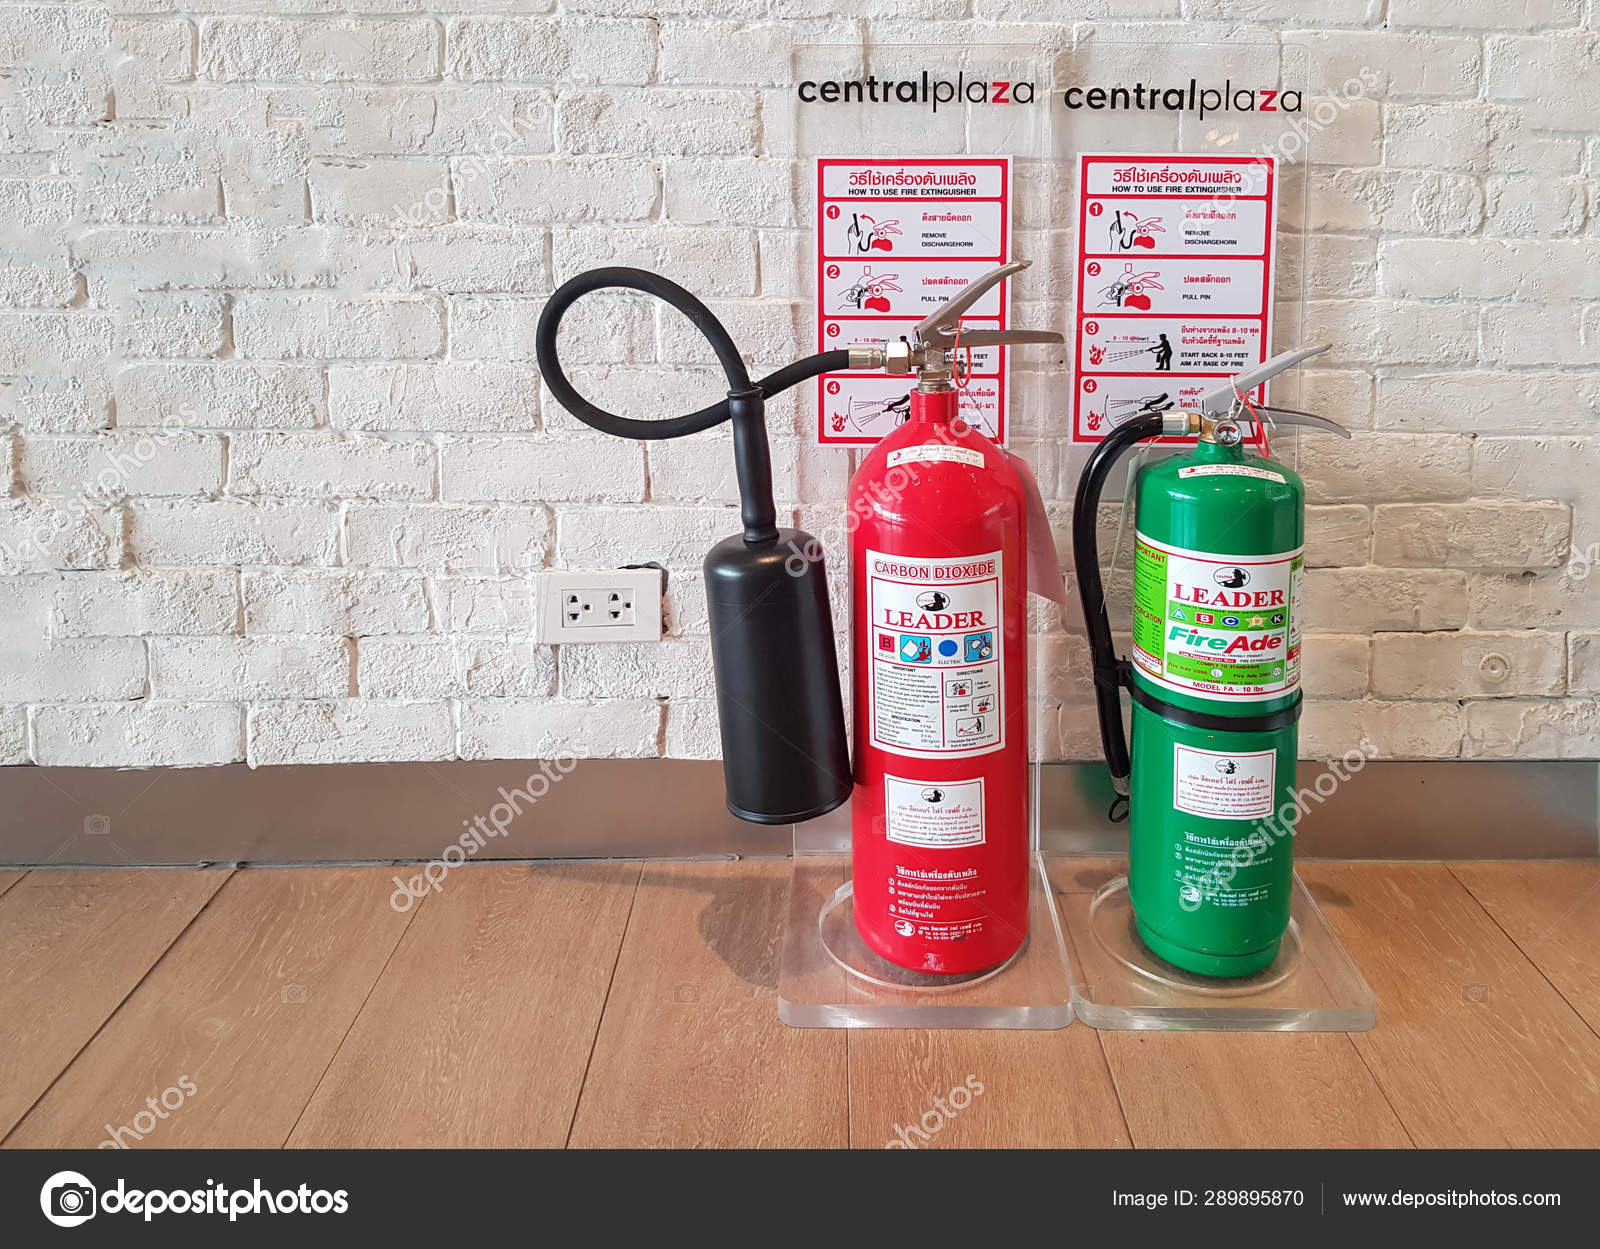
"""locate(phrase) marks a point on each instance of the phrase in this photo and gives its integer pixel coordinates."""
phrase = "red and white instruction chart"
(1175, 280)
(895, 239)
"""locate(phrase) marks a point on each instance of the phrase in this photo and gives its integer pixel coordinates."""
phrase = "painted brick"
(750, 53)
(447, 538)
(737, 191)
(1515, 729)
(329, 466)
(219, 396)
(514, 728)
(1487, 402)
(349, 731)
(164, 323)
(1583, 662)
(670, 668)
(485, 604)
(1475, 136)
(1397, 730)
(1364, 600)
(344, 603)
(283, 49)
(562, 51)
(1338, 537)
(408, 667)
(765, 330)
(538, 191)
(1436, 466)
(138, 735)
(1538, 468)
(14, 736)
(136, 603)
(601, 329)
(1471, 535)
(232, 532)
(1396, 333)
(657, 123)
(719, 262)
(1401, 201)
(233, 668)
(1468, 665)
(475, 259)
(306, 249)
(381, 193)
(676, 536)
(1560, 598)
(106, 467)
(534, 470)
(285, 327)
(1521, 269)
(1393, 64)
(37, 535)
(99, 669)
(1336, 666)
(447, 395)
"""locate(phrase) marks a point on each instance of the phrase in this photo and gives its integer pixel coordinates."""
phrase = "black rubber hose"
(1086, 561)
(670, 292)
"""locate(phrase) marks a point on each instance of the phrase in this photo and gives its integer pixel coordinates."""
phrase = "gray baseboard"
(662, 808)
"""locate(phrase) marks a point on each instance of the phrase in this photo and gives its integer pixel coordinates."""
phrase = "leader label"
(937, 645)
(1216, 626)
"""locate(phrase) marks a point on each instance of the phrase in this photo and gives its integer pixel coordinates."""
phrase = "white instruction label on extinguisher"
(938, 648)
(935, 816)
(1240, 785)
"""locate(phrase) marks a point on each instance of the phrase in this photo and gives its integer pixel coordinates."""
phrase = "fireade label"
(1219, 627)
(934, 816)
(1223, 786)
(937, 647)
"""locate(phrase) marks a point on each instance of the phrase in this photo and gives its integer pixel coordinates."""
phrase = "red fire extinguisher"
(939, 581)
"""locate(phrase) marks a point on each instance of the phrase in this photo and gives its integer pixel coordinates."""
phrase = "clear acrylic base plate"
(1312, 986)
(828, 978)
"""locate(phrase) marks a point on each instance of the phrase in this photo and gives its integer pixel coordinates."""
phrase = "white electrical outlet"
(611, 605)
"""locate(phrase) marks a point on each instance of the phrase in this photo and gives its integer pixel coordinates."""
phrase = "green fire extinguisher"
(1214, 677)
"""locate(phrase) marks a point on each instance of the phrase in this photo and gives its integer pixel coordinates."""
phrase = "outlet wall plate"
(608, 605)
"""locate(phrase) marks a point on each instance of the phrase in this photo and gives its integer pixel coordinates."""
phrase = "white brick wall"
(282, 476)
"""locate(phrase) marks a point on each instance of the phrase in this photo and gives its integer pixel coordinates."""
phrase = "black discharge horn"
(784, 754)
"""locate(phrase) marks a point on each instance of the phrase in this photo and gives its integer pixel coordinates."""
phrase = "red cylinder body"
(938, 564)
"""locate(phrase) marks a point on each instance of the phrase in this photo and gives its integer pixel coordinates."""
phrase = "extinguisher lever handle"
(1310, 420)
(1006, 338)
(938, 328)
(1220, 400)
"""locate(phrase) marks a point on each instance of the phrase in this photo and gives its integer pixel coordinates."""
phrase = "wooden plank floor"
(612, 1004)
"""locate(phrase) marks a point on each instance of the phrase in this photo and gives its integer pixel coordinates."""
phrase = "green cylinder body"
(1217, 573)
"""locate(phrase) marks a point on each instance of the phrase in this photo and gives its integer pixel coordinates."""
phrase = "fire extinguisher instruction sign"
(896, 237)
(937, 646)
(1175, 258)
